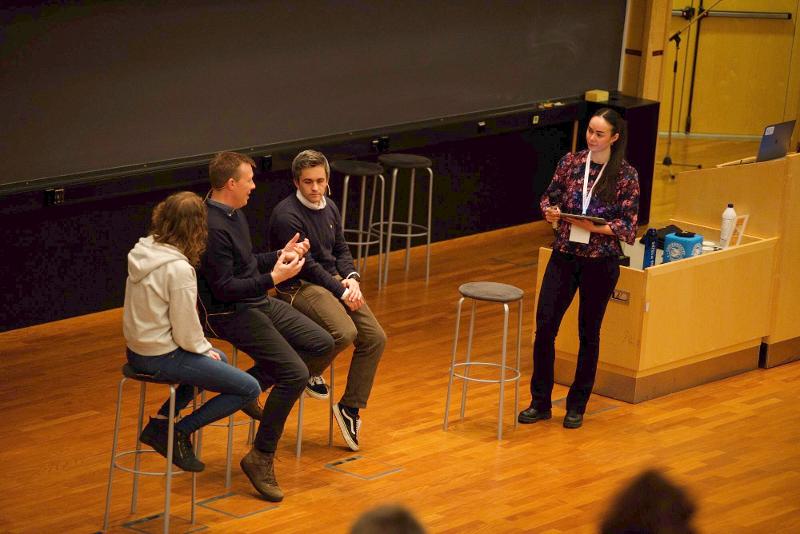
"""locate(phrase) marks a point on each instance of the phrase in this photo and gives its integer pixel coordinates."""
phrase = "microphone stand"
(676, 37)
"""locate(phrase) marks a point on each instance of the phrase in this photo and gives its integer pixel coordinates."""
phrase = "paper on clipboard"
(596, 220)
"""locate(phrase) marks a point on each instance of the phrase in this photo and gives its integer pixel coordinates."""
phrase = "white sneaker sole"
(314, 395)
(337, 413)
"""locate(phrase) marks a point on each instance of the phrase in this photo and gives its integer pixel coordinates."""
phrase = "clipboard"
(599, 221)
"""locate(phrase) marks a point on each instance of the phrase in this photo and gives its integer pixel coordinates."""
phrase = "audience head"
(180, 221)
(310, 173)
(231, 176)
(650, 504)
(387, 519)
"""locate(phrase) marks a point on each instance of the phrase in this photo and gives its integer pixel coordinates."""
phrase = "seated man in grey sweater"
(327, 287)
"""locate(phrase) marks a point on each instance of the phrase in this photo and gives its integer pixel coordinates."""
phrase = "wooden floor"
(733, 444)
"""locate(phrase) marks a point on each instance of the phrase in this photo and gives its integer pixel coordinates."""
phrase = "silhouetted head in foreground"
(390, 519)
(650, 504)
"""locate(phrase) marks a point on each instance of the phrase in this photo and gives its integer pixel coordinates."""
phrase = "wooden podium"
(684, 323)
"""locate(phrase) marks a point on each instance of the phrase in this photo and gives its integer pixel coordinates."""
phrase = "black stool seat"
(491, 291)
(405, 161)
(356, 168)
(130, 372)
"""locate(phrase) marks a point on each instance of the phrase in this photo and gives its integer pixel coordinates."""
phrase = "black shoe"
(183, 454)
(253, 409)
(531, 415)
(155, 435)
(349, 424)
(573, 419)
(316, 388)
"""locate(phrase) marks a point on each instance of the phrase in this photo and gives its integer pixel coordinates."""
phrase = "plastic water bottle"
(650, 246)
(728, 223)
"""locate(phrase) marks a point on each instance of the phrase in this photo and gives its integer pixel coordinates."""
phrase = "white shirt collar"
(319, 206)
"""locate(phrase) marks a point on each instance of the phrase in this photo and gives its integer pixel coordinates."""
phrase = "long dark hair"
(607, 188)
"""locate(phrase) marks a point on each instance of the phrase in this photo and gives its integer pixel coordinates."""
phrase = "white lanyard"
(587, 197)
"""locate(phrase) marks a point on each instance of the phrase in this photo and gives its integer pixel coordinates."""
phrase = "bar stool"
(230, 425)
(299, 444)
(487, 292)
(128, 372)
(364, 236)
(411, 229)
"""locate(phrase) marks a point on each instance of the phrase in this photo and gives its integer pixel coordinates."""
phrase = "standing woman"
(596, 182)
(163, 332)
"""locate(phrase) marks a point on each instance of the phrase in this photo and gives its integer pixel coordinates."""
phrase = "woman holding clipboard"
(599, 187)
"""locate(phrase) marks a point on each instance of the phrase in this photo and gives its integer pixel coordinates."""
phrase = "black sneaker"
(349, 424)
(316, 388)
(155, 435)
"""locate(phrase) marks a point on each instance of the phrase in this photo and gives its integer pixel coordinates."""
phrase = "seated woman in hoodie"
(163, 332)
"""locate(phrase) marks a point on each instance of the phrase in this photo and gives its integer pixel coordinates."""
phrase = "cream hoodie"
(160, 299)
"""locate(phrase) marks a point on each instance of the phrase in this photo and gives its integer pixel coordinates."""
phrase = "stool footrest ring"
(515, 374)
(175, 471)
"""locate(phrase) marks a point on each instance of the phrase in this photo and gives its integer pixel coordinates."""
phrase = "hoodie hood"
(147, 256)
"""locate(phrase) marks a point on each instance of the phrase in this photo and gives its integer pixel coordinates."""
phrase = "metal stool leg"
(362, 268)
(502, 373)
(113, 464)
(452, 364)
(430, 211)
(299, 444)
(469, 356)
(231, 426)
(135, 492)
(409, 228)
(197, 450)
(381, 258)
(330, 407)
(170, 447)
(360, 233)
(345, 185)
(393, 188)
(519, 347)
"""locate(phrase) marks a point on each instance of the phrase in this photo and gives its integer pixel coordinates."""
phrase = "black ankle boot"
(155, 434)
(531, 415)
(183, 454)
(573, 419)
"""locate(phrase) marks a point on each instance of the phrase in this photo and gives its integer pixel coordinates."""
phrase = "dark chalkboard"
(95, 85)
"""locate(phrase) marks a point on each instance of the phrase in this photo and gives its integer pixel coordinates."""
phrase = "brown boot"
(258, 466)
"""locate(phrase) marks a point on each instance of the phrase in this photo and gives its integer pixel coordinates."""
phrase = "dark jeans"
(284, 344)
(235, 387)
(565, 274)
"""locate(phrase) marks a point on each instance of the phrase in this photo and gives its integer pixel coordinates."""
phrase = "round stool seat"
(491, 291)
(130, 372)
(405, 161)
(356, 168)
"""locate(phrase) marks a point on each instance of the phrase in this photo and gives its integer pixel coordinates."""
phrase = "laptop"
(774, 144)
(775, 141)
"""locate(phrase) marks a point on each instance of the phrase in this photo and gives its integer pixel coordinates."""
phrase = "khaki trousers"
(359, 328)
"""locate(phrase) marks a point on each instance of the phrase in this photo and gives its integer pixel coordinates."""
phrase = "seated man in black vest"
(327, 288)
(233, 284)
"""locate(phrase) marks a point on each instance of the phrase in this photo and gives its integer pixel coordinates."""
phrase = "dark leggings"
(565, 274)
